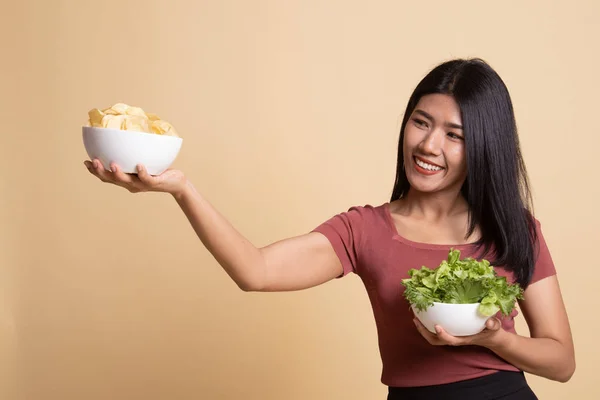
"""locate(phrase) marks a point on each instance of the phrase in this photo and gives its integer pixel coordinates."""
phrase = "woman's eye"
(455, 136)
(420, 122)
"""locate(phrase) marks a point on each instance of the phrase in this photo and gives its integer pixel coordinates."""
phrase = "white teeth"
(426, 166)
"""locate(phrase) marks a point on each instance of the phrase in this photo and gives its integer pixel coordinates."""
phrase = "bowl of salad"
(459, 294)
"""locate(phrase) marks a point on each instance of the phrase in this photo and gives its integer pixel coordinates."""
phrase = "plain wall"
(289, 112)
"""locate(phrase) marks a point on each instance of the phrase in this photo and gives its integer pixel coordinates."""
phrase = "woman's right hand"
(170, 181)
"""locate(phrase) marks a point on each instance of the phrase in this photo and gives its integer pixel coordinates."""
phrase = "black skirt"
(502, 385)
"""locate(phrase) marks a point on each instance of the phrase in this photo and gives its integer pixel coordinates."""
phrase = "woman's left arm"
(549, 352)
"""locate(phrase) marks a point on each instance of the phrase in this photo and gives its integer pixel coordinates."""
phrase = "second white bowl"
(456, 319)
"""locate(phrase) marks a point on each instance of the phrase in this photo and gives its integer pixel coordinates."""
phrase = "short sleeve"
(344, 232)
(544, 265)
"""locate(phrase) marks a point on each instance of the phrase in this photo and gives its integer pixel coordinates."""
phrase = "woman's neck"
(432, 207)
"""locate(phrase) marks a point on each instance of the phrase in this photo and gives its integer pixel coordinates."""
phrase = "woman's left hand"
(487, 338)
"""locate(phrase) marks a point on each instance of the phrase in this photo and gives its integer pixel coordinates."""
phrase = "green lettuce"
(463, 281)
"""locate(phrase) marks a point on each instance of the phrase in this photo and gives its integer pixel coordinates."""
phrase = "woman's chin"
(433, 187)
(427, 184)
(424, 189)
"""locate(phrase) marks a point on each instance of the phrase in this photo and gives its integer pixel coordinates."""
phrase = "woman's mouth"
(425, 168)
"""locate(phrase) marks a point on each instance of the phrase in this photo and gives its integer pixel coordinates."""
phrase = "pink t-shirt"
(367, 243)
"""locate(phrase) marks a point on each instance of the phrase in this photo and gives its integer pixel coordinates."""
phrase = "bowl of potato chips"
(128, 136)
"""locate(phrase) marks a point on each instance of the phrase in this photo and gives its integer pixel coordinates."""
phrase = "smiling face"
(434, 147)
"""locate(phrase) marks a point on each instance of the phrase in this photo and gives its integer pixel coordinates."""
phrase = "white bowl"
(130, 148)
(456, 319)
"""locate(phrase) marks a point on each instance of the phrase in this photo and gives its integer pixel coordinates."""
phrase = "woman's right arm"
(290, 264)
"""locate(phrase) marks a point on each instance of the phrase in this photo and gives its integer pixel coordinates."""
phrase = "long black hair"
(496, 187)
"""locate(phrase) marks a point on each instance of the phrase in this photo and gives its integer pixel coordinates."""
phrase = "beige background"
(290, 113)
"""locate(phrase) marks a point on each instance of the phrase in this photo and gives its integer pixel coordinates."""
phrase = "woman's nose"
(432, 143)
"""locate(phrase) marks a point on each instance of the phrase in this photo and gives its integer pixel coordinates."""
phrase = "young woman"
(460, 183)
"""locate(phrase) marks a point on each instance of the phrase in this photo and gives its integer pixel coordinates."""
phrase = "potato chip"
(137, 123)
(95, 116)
(124, 117)
(120, 108)
(152, 117)
(162, 127)
(113, 121)
(136, 111)
(110, 111)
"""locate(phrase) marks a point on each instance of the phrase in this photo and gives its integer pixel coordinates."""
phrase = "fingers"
(446, 338)
(145, 177)
(493, 324)
(115, 176)
(430, 337)
(440, 338)
(443, 338)
(97, 169)
(120, 177)
(128, 181)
